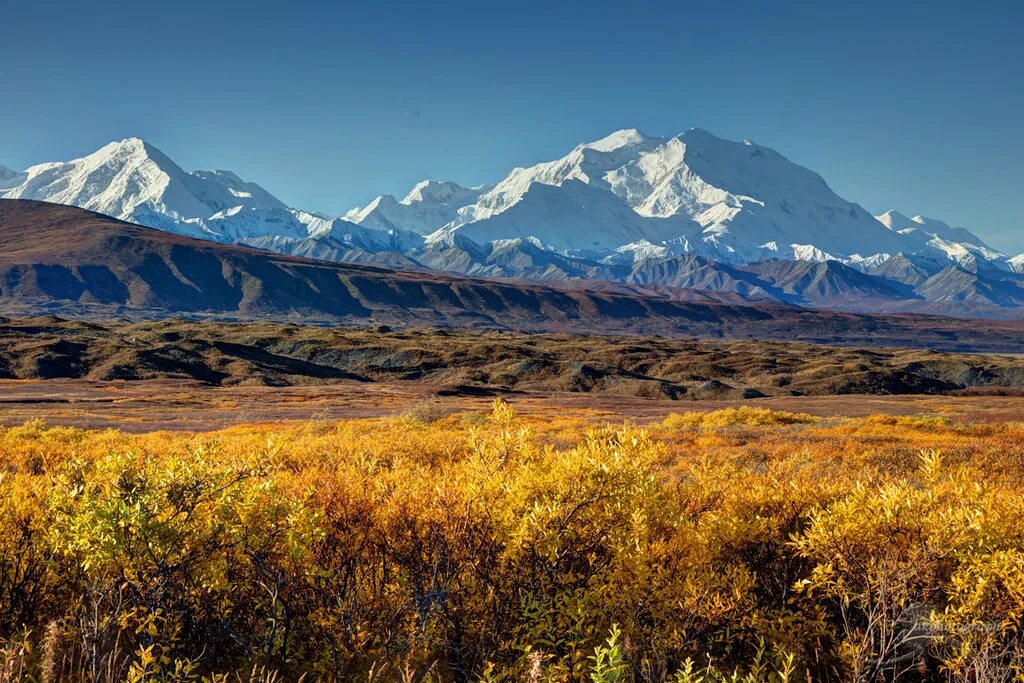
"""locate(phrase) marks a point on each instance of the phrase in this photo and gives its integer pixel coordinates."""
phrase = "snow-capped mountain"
(624, 197)
(428, 205)
(7, 174)
(132, 180)
(574, 217)
(320, 226)
(1016, 263)
(627, 208)
(896, 221)
(933, 237)
(736, 201)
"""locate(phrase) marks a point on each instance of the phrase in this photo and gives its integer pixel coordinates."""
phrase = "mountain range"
(64, 260)
(689, 211)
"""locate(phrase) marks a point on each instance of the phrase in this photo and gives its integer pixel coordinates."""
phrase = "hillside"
(64, 255)
(689, 210)
(482, 363)
(60, 259)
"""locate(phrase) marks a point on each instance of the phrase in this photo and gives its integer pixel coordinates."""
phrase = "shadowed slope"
(57, 253)
(62, 259)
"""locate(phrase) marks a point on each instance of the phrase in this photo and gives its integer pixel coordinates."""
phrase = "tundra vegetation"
(739, 545)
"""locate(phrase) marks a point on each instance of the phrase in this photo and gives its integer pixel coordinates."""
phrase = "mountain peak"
(624, 193)
(131, 148)
(129, 145)
(429, 205)
(702, 133)
(923, 220)
(229, 176)
(437, 191)
(132, 180)
(359, 213)
(626, 137)
(942, 229)
(133, 141)
(894, 220)
(703, 139)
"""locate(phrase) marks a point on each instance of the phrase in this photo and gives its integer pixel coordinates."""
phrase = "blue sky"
(915, 106)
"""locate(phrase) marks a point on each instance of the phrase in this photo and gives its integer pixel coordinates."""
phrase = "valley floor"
(176, 405)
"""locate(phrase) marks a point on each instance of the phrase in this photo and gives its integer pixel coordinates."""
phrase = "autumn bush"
(737, 545)
(744, 415)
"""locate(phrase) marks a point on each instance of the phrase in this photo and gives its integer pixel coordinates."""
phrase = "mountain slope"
(53, 253)
(1016, 263)
(627, 193)
(735, 200)
(692, 210)
(132, 180)
(63, 259)
(575, 218)
(826, 281)
(695, 272)
(896, 221)
(429, 205)
(977, 284)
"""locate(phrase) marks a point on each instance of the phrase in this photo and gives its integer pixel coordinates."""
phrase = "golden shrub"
(775, 545)
(729, 417)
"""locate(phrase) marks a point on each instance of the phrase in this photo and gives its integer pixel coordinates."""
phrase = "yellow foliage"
(729, 417)
(778, 545)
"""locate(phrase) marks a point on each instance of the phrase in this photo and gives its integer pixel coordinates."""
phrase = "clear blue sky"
(918, 106)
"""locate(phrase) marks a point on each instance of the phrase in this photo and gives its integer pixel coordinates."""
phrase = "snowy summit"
(627, 196)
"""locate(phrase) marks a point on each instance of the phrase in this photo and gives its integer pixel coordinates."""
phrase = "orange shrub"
(776, 544)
